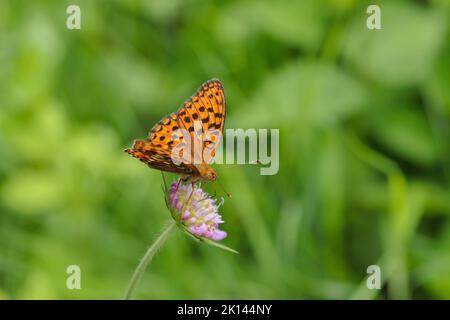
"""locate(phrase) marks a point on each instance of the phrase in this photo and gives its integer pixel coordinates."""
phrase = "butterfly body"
(197, 127)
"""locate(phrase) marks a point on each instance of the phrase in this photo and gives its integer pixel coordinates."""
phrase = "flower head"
(199, 212)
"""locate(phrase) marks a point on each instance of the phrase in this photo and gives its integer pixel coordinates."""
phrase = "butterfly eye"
(212, 175)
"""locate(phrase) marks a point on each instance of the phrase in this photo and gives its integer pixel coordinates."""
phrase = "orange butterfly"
(201, 120)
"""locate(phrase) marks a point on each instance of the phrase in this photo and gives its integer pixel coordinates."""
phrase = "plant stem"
(148, 257)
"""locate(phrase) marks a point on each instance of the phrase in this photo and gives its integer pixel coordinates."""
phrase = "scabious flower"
(198, 211)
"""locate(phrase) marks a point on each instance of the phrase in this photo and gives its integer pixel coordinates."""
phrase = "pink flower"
(199, 212)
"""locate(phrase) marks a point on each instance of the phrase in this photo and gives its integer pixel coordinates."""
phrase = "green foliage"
(364, 119)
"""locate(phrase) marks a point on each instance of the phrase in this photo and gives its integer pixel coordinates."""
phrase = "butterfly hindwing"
(158, 158)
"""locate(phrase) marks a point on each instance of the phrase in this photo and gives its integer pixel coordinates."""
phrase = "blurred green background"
(364, 147)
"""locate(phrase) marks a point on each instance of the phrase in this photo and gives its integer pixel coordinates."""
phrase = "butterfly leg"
(178, 184)
(188, 199)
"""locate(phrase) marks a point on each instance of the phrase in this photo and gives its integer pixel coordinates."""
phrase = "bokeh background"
(364, 147)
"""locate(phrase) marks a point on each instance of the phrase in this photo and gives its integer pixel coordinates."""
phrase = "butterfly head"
(210, 174)
(206, 173)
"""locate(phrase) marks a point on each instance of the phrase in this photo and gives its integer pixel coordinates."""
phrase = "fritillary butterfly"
(201, 113)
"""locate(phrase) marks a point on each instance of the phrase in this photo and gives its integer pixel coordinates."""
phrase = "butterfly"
(198, 122)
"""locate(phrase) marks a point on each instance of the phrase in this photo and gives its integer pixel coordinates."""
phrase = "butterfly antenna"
(221, 185)
(251, 162)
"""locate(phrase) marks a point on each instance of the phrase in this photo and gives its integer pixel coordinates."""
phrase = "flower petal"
(201, 215)
(218, 235)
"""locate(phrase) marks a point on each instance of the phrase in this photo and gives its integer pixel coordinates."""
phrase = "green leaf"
(218, 245)
(402, 52)
(308, 92)
(407, 133)
(294, 22)
(206, 240)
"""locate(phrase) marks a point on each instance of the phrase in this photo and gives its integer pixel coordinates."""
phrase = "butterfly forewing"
(205, 109)
(206, 105)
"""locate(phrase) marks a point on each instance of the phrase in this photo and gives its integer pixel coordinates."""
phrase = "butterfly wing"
(206, 108)
(159, 158)
(156, 151)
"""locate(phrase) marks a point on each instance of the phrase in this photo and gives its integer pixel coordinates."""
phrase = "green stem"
(148, 257)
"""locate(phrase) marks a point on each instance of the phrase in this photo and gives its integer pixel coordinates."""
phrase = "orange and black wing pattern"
(205, 110)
